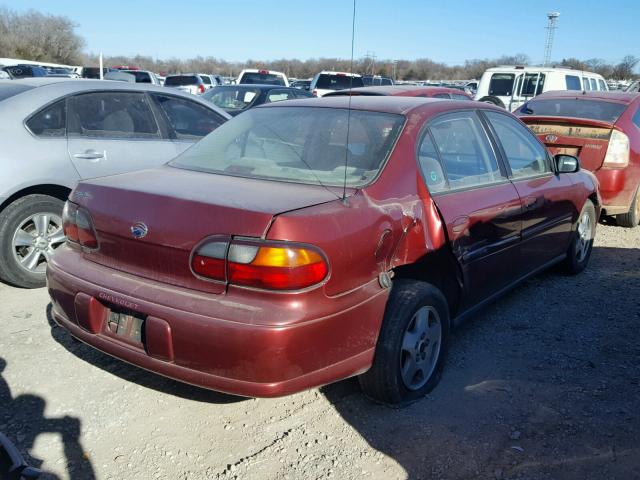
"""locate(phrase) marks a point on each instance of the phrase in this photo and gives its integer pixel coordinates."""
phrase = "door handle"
(460, 224)
(530, 203)
(90, 155)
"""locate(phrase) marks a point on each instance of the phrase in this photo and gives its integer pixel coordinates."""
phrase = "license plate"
(126, 325)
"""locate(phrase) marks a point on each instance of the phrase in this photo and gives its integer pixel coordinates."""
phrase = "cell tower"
(551, 30)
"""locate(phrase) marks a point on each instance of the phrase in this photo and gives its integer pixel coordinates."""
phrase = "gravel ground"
(543, 385)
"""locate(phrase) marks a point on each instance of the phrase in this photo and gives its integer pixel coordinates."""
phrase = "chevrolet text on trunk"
(308, 241)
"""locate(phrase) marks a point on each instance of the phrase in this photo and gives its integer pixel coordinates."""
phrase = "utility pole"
(551, 29)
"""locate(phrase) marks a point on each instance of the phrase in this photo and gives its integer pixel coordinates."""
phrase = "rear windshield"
(181, 80)
(338, 82)
(501, 84)
(570, 107)
(141, 77)
(298, 144)
(12, 89)
(262, 78)
(232, 98)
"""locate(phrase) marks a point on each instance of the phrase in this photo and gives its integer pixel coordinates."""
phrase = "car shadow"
(541, 384)
(22, 420)
(134, 374)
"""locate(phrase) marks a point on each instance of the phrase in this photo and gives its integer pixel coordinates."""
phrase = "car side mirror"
(567, 163)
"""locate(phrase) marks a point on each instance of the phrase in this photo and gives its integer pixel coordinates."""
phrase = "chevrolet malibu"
(603, 130)
(304, 242)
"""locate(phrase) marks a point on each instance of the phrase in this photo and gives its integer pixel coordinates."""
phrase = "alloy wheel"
(35, 239)
(420, 348)
(584, 237)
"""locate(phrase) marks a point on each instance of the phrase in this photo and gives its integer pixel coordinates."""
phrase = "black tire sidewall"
(10, 219)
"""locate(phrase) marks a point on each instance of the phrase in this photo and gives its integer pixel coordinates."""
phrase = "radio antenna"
(346, 151)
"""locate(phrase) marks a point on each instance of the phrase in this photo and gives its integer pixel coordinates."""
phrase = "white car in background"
(511, 86)
(262, 77)
(325, 82)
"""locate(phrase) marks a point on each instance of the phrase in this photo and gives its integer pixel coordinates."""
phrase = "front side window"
(573, 82)
(51, 121)
(501, 84)
(112, 115)
(465, 154)
(187, 120)
(526, 156)
(298, 144)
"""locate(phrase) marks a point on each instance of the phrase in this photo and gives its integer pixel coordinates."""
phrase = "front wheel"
(412, 344)
(30, 230)
(582, 243)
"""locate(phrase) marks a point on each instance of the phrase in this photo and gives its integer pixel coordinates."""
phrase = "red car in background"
(603, 130)
(282, 253)
(405, 91)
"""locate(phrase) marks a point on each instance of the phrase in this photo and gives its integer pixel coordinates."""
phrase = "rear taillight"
(618, 151)
(78, 226)
(201, 88)
(260, 264)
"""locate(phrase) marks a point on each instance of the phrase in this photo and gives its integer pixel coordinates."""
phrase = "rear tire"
(493, 100)
(30, 229)
(582, 243)
(631, 219)
(412, 345)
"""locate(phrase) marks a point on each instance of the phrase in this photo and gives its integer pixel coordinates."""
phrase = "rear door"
(548, 211)
(113, 132)
(479, 205)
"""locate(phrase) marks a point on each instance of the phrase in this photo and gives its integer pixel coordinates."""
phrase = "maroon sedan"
(285, 251)
(603, 130)
(404, 91)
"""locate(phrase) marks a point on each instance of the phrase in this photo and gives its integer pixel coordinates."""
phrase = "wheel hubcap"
(584, 237)
(420, 348)
(35, 240)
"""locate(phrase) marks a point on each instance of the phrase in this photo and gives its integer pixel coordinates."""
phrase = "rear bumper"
(264, 348)
(617, 188)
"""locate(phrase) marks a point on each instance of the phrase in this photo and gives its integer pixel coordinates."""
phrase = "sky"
(444, 31)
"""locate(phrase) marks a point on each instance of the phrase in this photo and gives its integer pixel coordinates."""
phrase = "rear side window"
(181, 80)
(465, 154)
(594, 85)
(441, 95)
(636, 118)
(112, 115)
(187, 120)
(603, 86)
(338, 82)
(573, 82)
(206, 79)
(430, 166)
(232, 98)
(585, 84)
(302, 93)
(457, 96)
(501, 84)
(51, 121)
(533, 84)
(278, 95)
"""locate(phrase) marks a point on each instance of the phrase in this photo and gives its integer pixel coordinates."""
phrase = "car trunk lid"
(171, 210)
(586, 139)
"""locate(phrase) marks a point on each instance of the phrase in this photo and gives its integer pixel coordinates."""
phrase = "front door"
(548, 212)
(114, 132)
(479, 205)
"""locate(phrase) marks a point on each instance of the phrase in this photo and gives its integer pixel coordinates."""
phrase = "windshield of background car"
(570, 107)
(298, 144)
(501, 84)
(12, 89)
(181, 80)
(232, 98)
(338, 82)
(262, 78)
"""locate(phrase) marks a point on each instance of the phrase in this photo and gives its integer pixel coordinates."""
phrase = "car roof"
(620, 97)
(399, 90)
(519, 68)
(385, 104)
(261, 86)
(331, 72)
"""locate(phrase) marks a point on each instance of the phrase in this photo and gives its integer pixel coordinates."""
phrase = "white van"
(325, 82)
(511, 86)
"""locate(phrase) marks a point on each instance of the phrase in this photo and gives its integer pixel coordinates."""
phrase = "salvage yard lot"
(543, 384)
